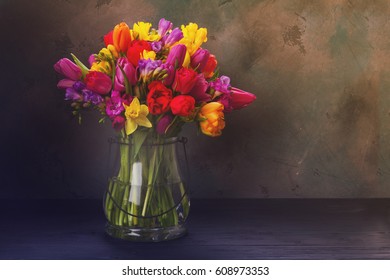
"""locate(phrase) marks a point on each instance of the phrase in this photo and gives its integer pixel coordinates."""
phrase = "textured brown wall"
(320, 69)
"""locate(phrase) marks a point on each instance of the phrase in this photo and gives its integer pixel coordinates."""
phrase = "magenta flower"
(164, 26)
(222, 85)
(163, 124)
(118, 122)
(240, 98)
(67, 68)
(176, 55)
(91, 59)
(175, 36)
(131, 74)
(199, 59)
(114, 106)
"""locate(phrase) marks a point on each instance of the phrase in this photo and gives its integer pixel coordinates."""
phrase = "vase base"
(146, 234)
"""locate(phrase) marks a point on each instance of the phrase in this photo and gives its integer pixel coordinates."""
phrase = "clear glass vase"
(147, 198)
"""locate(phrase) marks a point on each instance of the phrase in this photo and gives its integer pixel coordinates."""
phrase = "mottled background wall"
(319, 128)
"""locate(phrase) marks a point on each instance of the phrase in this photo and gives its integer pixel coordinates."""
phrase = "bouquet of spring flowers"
(150, 82)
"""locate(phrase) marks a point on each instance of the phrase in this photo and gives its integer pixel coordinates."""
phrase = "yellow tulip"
(136, 115)
(211, 119)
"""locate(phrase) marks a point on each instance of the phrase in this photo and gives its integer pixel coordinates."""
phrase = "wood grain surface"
(218, 229)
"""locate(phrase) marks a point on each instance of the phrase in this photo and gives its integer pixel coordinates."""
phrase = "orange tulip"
(121, 37)
(212, 119)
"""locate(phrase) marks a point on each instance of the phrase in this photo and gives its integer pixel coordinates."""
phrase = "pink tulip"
(65, 83)
(129, 70)
(67, 68)
(240, 98)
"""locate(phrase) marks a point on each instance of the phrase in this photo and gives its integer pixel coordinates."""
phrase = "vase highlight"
(147, 198)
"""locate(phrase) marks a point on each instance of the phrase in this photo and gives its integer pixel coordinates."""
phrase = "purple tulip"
(164, 26)
(131, 74)
(67, 68)
(199, 59)
(170, 74)
(199, 90)
(114, 106)
(163, 124)
(73, 95)
(65, 83)
(177, 55)
(175, 36)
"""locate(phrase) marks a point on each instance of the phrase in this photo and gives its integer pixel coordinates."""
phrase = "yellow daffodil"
(136, 115)
(148, 54)
(194, 37)
(141, 31)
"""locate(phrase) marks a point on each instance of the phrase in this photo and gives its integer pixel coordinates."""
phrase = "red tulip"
(98, 82)
(185, 80)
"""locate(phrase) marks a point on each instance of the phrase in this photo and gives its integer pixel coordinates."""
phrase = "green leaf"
(84, 69)
(139, 137)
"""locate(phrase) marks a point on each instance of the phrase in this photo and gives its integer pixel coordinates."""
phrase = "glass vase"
(147, 198)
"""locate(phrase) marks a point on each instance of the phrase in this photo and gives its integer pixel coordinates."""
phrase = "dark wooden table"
(218, 229)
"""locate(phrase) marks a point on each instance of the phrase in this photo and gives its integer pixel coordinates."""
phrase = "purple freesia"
(79, 86)
(69, 69)
(73, 95)
(222, 84)
(90, 96)
(156, 46)
(199, 90)
(177, 55)
(164, 26)
(114, 106)
(199, 59)
(129, 71)
(175, 36)
(65, 83)
(147, 66)
(163, 124)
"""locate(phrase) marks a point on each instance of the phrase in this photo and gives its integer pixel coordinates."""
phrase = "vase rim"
(149, 141)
